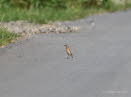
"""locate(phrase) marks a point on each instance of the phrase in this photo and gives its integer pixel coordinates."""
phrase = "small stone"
(27, 29)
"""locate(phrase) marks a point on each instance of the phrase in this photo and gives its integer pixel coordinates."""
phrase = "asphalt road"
(101, 66)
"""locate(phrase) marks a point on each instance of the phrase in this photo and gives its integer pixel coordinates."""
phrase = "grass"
(45, 11)
(46, 15)
(6, 37)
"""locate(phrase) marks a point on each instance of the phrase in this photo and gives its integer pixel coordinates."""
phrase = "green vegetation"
(45, 15)
(44, 11)
(6, 37)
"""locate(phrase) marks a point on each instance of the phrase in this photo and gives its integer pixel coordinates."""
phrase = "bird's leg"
(67, 57)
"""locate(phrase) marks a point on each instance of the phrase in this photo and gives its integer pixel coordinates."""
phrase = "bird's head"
(66, 45)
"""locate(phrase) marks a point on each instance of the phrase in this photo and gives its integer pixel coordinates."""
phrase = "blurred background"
(44, 11)
(58, 3)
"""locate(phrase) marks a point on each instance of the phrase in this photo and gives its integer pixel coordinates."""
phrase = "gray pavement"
(101, 66)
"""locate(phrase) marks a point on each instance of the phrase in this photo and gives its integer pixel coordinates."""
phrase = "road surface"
(101, 66)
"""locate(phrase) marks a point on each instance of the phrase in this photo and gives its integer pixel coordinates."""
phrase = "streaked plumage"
(68, 51)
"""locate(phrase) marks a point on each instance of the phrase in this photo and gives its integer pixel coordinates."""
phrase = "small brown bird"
(68, 51)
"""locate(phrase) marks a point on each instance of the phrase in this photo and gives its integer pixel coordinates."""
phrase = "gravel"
(28, 28)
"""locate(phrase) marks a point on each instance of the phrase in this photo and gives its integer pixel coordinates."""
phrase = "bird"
(68, 51)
